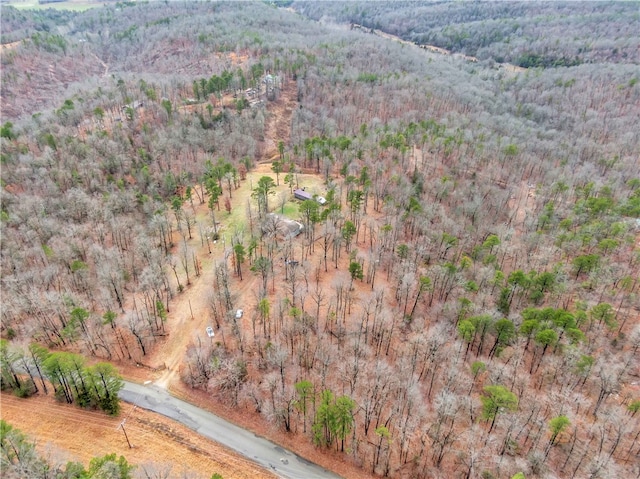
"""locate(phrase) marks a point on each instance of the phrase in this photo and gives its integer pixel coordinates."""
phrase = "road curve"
(280, 461)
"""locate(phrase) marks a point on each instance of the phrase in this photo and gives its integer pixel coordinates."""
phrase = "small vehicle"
(210, 332)
(239, 313)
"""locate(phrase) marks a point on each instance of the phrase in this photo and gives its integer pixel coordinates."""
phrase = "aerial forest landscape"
(394, 239)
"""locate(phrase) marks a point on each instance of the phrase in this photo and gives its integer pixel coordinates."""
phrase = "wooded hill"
(547, 34)
(467, 302)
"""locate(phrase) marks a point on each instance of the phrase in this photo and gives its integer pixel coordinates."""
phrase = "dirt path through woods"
(189, 311)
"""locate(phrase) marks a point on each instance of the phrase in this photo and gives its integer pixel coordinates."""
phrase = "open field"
(66, 433)
(74, 5)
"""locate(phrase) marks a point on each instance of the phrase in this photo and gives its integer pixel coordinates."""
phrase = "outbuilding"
(302, 195)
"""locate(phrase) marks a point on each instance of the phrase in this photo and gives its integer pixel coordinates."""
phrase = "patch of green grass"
(290, 211)
(232, 222)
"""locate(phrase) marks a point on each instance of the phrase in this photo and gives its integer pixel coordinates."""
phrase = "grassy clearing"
(78, 6)
(237, 220)
(290, 211)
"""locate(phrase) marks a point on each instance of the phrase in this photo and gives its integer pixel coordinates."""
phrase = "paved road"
(282, 462)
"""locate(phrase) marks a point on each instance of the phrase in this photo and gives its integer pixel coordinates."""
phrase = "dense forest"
(547, 34)
(466, 303)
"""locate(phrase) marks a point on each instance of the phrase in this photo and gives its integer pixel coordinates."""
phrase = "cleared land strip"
(65, 432)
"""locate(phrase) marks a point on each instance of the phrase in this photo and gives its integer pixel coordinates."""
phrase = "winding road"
(280, 461)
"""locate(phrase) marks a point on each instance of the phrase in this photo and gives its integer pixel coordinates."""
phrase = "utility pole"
(125, 433)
